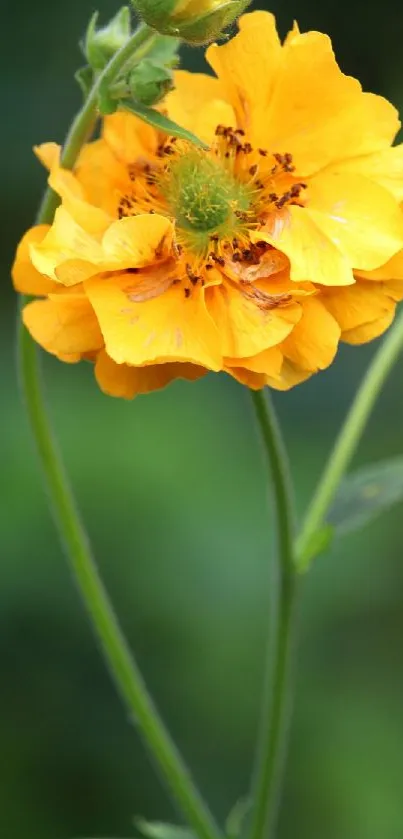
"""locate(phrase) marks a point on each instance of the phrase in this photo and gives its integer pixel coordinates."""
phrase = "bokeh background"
(172, 488)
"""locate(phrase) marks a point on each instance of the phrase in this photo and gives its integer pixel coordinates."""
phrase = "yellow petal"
(368, 331)
(361, 218)
(392, 269)
(312, 345)
(254, 381)
(127, 382)
(48, 154)
(313, 256)
(267, 363)
(26, 278)
(198, 104)
(247, 66)
(359, 305)
(103, 177)
(63, 325)
(171, 327)
(66, 240)
(290, 376)
(319, 114)
(137, 241)
(245, 324)
(129, 137)
(384, 167)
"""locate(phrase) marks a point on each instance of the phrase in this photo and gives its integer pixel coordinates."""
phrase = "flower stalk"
(115, 649)
(272, 738)
(350, 435)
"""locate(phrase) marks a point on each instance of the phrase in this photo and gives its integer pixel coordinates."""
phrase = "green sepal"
(319, 542)
(85, 78)
(160, 122)
(211, 25)
(364, 494)
(101, 44)
(149, 82)
(196, 29)
(162, 830)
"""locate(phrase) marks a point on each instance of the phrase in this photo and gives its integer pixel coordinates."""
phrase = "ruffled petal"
(129, 137)
(312, 345)
(360, 305)
(319, 114)
(198, 103)
(171, 327)
(126, 382)
(384, 167)
(25, 276)
(247, 67)
(70, 254)
(247, 325)
(361, 218)
(65, 324)
(312, 254)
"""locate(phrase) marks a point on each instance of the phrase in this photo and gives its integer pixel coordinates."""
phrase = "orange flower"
(255, 256)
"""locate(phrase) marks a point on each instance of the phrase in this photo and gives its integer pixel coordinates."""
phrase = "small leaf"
(164, 50)
(85, 78)
(365, 494)
(235, 823)
(161, 830)
(161, 122)
(319, 542)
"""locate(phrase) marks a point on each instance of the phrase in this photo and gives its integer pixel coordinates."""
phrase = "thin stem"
(272, 741)
(122, 666)
(81, 127)
(350, 434)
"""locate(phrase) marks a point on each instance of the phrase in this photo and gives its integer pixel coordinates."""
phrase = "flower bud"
(101, 44)
(195, 21)
(149, 82)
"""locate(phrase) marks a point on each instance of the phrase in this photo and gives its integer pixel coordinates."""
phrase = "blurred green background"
(172, 489)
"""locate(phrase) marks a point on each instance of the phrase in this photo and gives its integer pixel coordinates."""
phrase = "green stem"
(276, 700)
(81, 127)
(123, 667)
(350, 434)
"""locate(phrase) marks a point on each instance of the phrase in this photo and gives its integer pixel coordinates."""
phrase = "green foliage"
(101, 44)
(235, 822)
(365, 494)
(319, 542)
(160, 122)
(149, 82)
(162, 830)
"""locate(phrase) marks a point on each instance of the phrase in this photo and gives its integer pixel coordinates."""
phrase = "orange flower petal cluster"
(256, 256)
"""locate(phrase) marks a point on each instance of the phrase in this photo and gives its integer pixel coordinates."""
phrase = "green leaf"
(319, 542)
(161, 830)
(85, 78)
(161, 122)
(365, 494)
(164, 51)
(235, 823)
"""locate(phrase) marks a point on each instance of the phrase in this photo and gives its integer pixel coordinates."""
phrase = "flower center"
(204, 198)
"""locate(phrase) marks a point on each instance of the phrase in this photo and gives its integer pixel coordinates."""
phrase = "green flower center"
(205, 199)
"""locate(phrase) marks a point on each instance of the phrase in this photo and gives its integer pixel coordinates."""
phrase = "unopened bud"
(195, 21)
(149, 82)
(101, 44)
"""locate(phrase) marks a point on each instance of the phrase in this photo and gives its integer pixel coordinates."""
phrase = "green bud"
(101, 44)
(149, 82)
(195, 21)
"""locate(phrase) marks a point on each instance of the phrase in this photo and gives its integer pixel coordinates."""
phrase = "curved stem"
(83, 122)
(275, 711)
(350, 434)
(123, 668)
